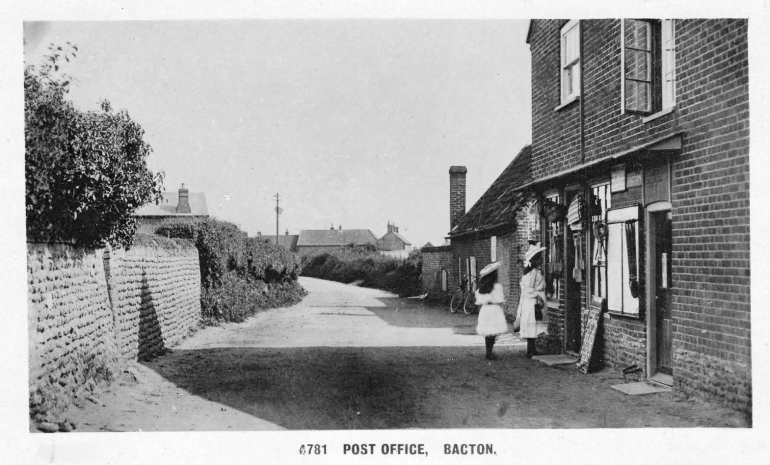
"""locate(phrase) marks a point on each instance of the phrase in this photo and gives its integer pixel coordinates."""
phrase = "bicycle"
(463, 299)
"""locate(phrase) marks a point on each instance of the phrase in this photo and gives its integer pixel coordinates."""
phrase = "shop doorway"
(574, 262)
(660, 323)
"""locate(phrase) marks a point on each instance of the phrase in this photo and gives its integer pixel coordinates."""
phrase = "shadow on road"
(302, 388)
(412, 313)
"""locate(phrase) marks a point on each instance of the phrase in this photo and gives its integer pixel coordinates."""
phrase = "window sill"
(567, 103)
(632, 316)
(657, 115)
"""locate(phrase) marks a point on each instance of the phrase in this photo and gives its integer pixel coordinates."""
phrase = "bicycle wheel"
(457, 301)
(469, 304)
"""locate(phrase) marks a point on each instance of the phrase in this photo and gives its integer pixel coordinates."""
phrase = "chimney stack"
(340, 227)
(287, 231)
(332, 227)
(184, 201)
(390, 227)
(456, 194)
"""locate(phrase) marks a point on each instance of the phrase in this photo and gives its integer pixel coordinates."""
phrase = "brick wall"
(73, 338)
(709, 190)
(158, 298)
(435, 259)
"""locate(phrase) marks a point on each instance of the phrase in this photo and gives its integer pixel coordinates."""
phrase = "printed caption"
(399, 449)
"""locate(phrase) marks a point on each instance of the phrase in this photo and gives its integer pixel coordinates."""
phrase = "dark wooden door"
(663, 321)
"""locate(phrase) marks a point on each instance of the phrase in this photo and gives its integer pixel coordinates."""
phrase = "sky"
(353, 122)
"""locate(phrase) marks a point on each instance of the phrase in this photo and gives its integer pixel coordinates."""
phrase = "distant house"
(287, 241)
(316, 240)
(427, 244)
(180, 204)
(393, 244)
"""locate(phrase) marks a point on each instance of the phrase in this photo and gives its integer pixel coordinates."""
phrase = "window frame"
(573, 65)
(596, 268)
(662, 63)
(552, 230)
(616, 218)
(493, 249)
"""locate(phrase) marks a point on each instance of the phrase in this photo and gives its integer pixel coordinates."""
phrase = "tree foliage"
(86, 171)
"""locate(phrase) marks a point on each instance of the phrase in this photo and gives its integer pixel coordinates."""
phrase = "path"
(354, 358)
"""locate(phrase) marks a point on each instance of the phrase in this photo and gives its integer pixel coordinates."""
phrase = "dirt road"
(353, 358)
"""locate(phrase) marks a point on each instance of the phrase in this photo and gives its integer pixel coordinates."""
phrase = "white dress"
(491, 316)
(532, 285)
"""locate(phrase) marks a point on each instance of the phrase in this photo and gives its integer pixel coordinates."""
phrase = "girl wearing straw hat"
(532, 289)
(491, 317)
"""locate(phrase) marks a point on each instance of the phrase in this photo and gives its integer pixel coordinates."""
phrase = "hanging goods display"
(600, 234)
(577, 269)
(553, 211)
(575, 213)
(633, 279)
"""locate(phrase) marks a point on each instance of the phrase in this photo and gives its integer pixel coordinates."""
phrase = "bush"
(365, 264)
(86, 172)
(239, 275)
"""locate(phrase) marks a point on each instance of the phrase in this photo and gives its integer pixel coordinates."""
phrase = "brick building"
(496, 228)
(640, 160)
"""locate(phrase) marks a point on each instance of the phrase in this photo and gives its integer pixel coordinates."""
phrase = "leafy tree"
(86, 172)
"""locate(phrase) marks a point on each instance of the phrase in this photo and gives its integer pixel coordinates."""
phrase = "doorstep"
(662, 380)
(555, 360)
(639, 388)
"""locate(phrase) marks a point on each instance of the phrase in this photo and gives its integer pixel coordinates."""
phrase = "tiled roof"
(393, 234)
(321, 237)
(167, 206)
(499, 204)
(289, 241)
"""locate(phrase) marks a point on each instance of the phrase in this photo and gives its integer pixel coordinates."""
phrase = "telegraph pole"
(277, 212)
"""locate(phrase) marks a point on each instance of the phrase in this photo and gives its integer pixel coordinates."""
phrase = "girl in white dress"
(491, 317)
(532, 289)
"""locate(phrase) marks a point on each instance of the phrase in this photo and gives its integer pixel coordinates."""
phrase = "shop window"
(552, 259)
(649, 52)
(623, 261)
(599, 204)
(570, 61)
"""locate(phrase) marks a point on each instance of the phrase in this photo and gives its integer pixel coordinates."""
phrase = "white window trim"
(629, 307)
(566, 99)
(493, 248)
(670, 102)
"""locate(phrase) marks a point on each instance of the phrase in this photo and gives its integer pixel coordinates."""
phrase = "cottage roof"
(289, 241)
(169, 202)
(332, 237)
(396, 235)
(499, 204)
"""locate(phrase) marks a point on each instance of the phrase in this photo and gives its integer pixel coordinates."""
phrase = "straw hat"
(534, 249)
(489, 269)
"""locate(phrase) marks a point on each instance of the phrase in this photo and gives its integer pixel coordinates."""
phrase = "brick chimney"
(390, 227)
(184, 201)
(340, 227)
(287, 231)
(456, 194)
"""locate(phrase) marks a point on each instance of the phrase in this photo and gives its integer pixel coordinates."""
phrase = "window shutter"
(637, 66)
(668, 63)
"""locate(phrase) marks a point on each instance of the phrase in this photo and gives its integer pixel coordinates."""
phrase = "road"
(355, 358)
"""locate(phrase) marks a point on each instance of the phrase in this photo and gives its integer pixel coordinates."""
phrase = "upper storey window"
(570, 61)
(648, 65)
